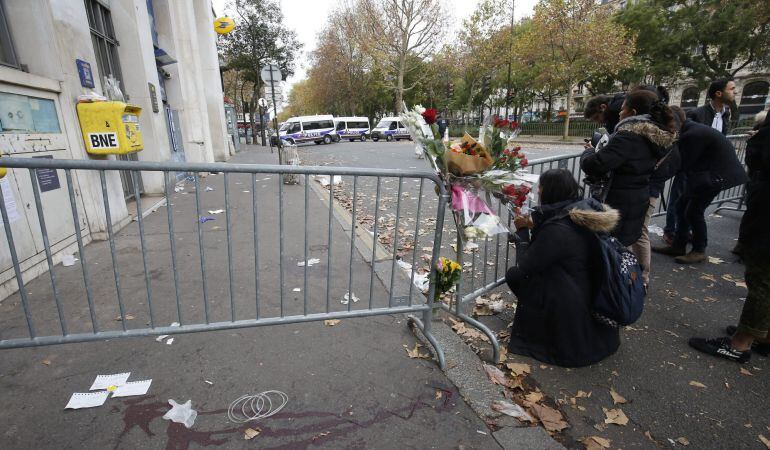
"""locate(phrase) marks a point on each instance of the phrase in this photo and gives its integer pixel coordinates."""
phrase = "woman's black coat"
(630, 156)
(556, 281)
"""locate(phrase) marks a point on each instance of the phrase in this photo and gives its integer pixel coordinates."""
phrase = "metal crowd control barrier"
(494, 255)
(178, 274)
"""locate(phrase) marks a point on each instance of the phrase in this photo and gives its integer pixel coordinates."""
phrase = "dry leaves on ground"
(714, 260)
(331, 322)
(596, 443)
(615, 416)
(251, 433)
(46, 362)
(765, 441)
(534, 396)
(551, 419)
(519, 368)
(697, 384)
(415, 352)
(128, 317)
(461, 329)
(617, 398)
(496, 375)
(745, 371)
(513, 410)
(583, 394)
(683, 440)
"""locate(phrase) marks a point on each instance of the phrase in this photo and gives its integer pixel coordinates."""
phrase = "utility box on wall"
(110, 128)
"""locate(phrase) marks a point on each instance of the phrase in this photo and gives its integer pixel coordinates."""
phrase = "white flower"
(419, 109)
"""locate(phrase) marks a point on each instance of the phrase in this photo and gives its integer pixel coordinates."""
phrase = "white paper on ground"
(170, 341)
(105, 381)
(68, 260)
(132, 388)
(87, 399)
(324, 179)
(404, 265)
(655, 229)
(216, 211)
(161, 337)
(310, 262)
(181, 413)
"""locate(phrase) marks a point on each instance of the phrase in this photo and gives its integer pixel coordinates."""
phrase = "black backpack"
(620, 298)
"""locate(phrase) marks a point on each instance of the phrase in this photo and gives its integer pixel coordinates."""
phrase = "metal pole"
(275, 119)
(261, 124)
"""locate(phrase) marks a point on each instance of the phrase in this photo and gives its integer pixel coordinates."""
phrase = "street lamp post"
(510, 50)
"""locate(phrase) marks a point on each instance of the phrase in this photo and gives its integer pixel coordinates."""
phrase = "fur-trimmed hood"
(588, 213)
(596, 221)
(643, 126)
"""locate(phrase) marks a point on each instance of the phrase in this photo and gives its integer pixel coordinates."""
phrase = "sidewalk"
(350, 385)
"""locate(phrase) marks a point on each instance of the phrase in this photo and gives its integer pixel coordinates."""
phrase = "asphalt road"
(654, 367)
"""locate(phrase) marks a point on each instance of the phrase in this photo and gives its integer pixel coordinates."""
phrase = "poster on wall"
(47, 179)
(10, 202)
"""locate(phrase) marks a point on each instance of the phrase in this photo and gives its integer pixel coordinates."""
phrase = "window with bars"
(104, 40)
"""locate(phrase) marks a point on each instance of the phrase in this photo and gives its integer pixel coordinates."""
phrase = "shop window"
(690, 98)
(7, 53)
(754, 97)
(104, 41)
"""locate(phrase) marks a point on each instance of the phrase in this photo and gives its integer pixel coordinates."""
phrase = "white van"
(352, 128)
(390, 128)
(308, 128)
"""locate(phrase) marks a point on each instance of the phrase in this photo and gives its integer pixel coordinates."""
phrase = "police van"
(352, 128)
(390, 128)
(308, 128)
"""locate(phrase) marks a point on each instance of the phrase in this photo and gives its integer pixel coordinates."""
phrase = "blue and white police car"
(390, 128)
(352, 128)
(308, 128)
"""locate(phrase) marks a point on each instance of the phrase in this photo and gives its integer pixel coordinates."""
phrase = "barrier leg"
(424, 327)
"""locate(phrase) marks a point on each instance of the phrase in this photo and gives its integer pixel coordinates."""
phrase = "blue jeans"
(677, 186)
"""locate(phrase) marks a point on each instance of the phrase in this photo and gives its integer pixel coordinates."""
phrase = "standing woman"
(644, 134)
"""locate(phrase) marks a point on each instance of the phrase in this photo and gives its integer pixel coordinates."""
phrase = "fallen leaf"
(765, 441)
(583, 394)
(746, 372)
(512, 409)
(595, 443)
(534, 397)
(552, 419)
(128, 317)
(748, 425)
(439, 394)
(683, 440)
(496, 375)
(415, 352)
(617, 398)
(714, 260)
(697, 384)
(331, 322)
(251, 433)
(519, 368)
(46, 362)
(708, 277)
(615, 416)
(648, 435)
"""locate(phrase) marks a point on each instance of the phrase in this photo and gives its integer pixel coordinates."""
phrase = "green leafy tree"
(259, 37)
(702, 39)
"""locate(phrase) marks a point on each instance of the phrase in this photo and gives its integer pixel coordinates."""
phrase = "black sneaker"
(761, 348)
(720, 347)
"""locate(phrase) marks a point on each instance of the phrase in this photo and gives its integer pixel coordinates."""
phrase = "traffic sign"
(271, 73)
(262, 103)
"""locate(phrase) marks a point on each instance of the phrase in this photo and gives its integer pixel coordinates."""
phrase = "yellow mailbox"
(110, 128)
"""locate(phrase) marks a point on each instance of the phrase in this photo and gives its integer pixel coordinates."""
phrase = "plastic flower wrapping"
(477, 170)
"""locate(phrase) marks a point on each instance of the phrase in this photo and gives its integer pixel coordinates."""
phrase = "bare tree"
(399, 32)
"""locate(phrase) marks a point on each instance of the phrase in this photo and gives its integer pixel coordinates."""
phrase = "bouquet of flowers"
(468, 157)
(448, 274)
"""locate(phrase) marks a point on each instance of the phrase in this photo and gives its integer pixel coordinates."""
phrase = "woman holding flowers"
(557, 277)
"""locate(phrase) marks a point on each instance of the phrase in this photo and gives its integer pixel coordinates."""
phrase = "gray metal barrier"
(176, 273)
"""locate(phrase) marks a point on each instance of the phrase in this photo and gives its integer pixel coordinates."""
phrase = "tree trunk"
(566, 119)
(549, 112)
(400, 88)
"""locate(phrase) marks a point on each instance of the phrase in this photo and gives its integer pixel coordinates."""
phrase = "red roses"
(430, 116)
(504, 123)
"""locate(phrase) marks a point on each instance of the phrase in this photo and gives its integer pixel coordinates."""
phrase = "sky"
(308, 17)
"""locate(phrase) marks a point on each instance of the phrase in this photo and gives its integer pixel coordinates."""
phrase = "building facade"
(163, 55)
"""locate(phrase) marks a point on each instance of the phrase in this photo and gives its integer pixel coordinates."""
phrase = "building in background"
(162, 52)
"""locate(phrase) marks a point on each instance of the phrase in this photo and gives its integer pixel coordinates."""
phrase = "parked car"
(352, 128)
(390, 128)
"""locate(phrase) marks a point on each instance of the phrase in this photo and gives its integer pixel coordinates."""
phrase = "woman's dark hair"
(647, 102)
(558, 185)
(679, 115)
(594, 105)
(717, 86)
(661, 91)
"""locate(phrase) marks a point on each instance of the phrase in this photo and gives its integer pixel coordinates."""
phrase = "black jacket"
(755, 225)
(708, 159)
(631, 156)
(705, 115)
(556, 282)
(666, 168)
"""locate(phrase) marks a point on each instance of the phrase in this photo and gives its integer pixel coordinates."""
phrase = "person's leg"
(696, 211)
(641, 248)
(755, 317)
(683, 222)
(671, 215)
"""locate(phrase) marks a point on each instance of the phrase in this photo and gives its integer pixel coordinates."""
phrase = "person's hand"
(587, 145)
(523, 222)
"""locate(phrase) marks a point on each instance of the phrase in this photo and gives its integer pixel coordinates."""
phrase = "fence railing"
(187, 271)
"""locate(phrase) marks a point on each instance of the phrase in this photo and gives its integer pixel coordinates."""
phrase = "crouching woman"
(558, 275)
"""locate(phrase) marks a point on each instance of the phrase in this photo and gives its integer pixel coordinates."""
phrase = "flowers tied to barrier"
(475, 170)
(448, 274)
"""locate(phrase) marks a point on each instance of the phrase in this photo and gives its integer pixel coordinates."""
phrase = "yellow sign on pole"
(224, 25)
